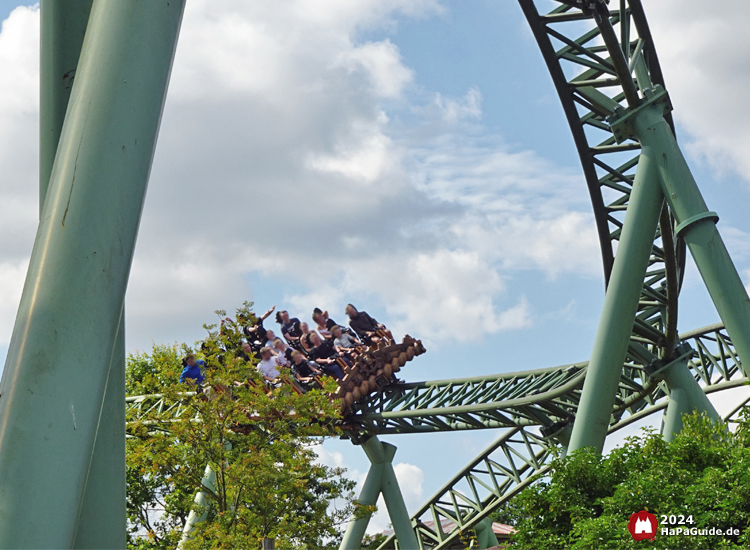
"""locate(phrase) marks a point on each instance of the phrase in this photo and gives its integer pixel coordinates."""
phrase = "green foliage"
(258, 441)
(371, 542)
(585, 500)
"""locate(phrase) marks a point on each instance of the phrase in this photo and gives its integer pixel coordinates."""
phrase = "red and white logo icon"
(642, 526)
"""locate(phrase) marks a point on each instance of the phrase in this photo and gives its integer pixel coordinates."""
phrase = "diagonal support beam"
(102, 523)
(53, 384)
(381, 478)
(685, 397)
(695, 223)
(620, 306)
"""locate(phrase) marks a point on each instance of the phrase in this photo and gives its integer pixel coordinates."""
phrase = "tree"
(586, 499)
(258, 440)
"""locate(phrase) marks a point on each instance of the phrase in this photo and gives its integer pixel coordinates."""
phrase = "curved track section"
(579, 64)
(544, 397)
(506, 467)
(530, 404)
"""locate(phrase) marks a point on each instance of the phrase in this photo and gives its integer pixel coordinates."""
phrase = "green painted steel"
(368, 496)
(685, 397)
(103, 519)
(478, 402)
(696, 224)
(609, 65)
(381, 479)
(589, 88)
(201, 505)
(677, 406)
(63, 26)
(62, 344)
(102, 522)
(620, 307)
(508, 465)
(485, 536)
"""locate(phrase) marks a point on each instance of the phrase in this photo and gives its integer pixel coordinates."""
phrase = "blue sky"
(411, 158)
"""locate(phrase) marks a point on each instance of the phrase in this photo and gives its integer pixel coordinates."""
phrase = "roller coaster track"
(578, 63)
(532, 407)
(543, 397)
(506, 467)
(527, 402)
(529, 406)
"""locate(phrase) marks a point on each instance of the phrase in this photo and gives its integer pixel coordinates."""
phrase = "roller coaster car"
(374, 368)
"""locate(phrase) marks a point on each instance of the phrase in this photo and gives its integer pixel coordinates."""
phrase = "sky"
(409, 156)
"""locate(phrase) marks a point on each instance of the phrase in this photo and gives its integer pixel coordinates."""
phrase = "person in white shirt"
(269, 365)
(283, 352)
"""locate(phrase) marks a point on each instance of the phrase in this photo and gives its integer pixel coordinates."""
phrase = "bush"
(585, 500)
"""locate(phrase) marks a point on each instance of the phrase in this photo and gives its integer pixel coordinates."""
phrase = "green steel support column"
(201, 504)
(381, 478)
(697, 226)
(103, 519)
(60, 354)
(677, 406)
(63, 26)
(685, 397)
(356, 529)
(485, 535)
(620, 306)
(562, 438)
(202, 500)
(102, 523)
(394, 502)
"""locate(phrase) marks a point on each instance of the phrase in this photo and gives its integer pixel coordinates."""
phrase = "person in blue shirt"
(192, 370)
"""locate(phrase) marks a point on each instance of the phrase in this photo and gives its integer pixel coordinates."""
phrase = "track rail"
(509, 464)
(526, 405)
(535, 398)
(578, 62)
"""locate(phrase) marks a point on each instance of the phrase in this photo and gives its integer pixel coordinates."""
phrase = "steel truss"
(578, 61)
(543, 397)
(506, 467)
(532, 406)
(535, 409)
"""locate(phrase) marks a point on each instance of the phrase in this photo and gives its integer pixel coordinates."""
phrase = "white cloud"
(705, 53)
(410, 479)
(11, 279)
(468, 107)
(277, 156)
(381, 62)
(19, 54)
(332, 459)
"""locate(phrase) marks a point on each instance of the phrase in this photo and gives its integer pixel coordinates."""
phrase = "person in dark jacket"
(256, 334)
(303, 370)
(365, 326)
(325, 353)
(192, 370)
